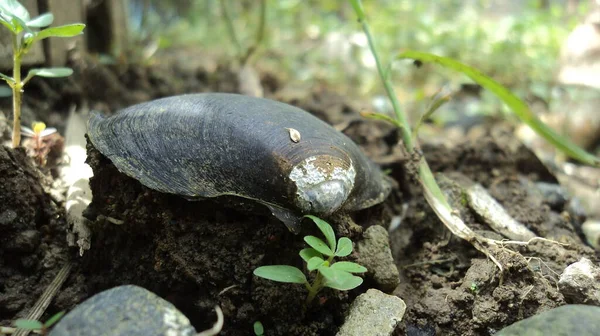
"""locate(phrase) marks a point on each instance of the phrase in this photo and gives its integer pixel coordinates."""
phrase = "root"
(456, 225)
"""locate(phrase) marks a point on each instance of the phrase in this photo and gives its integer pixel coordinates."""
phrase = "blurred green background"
(517, 42)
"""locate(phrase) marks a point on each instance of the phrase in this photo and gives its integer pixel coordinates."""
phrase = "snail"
(215, 144)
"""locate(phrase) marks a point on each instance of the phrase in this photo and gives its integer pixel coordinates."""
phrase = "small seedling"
(43, 138)
(259, 330)
(25, 32)
(474, 288)
(319, 257)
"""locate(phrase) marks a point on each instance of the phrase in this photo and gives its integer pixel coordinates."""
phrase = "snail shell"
(215, 144)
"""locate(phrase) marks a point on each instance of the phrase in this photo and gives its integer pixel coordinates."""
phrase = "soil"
(32, 243)
(202, 253)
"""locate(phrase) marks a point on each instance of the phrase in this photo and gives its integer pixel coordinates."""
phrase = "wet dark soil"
(451, 289)
(198, 254)
(202, 253)
(32, 239)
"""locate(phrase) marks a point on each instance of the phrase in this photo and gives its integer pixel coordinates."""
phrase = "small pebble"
(375, 254)
(580, 283)
(554, 195)
(373, 313)
(591, 231)
(124, 311)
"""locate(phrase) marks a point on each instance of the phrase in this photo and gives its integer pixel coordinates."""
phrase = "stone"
(580, 320)
(553, 194)
(591, 231)
(373, 313)
(375, 254)
(124, 311)
(580, 282)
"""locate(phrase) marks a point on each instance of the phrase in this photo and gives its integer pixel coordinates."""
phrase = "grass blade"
(518, 107)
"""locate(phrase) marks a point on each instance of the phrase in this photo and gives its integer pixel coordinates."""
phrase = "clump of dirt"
(33, 241)
(198, 254)
(449, 287)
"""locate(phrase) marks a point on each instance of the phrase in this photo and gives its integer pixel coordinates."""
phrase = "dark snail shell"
(215, 144)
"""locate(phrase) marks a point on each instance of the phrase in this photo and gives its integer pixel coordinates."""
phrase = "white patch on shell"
(294, 135)
(320, 191)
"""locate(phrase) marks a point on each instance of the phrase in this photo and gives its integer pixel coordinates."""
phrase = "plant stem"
(314, 289)
(231, 28)
(260, 33)
(17, 91)
(425, 174)
(317, 284)
(389, 88)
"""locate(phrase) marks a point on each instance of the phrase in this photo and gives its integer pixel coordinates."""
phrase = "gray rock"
(375, 254)
(580, 320)
(580, 282)
(591, 231)
(124, 311)
(576, 211)
(373, 313)
(554, 195)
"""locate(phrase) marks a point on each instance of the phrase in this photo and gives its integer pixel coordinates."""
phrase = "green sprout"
(25, 32)
(259, 330)
(474, 288)
(319, 258)
(33, 325)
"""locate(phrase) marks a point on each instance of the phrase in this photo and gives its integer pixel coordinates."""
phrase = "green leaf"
(60, 31)
(6, 21)
(50, 72)
(28, 324)
(19, 24)
(308, 253)
(318, 245)
(281, 273)
(435, 105)
(517, 105)
(314, 263)
(349, 284)
(344, 247)
(259, 330)
(14, 8)
(334, 276)
(41, 21)
(380, 116)
(7, 78)
(326, 229)
(348, 267)
(54, 319)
